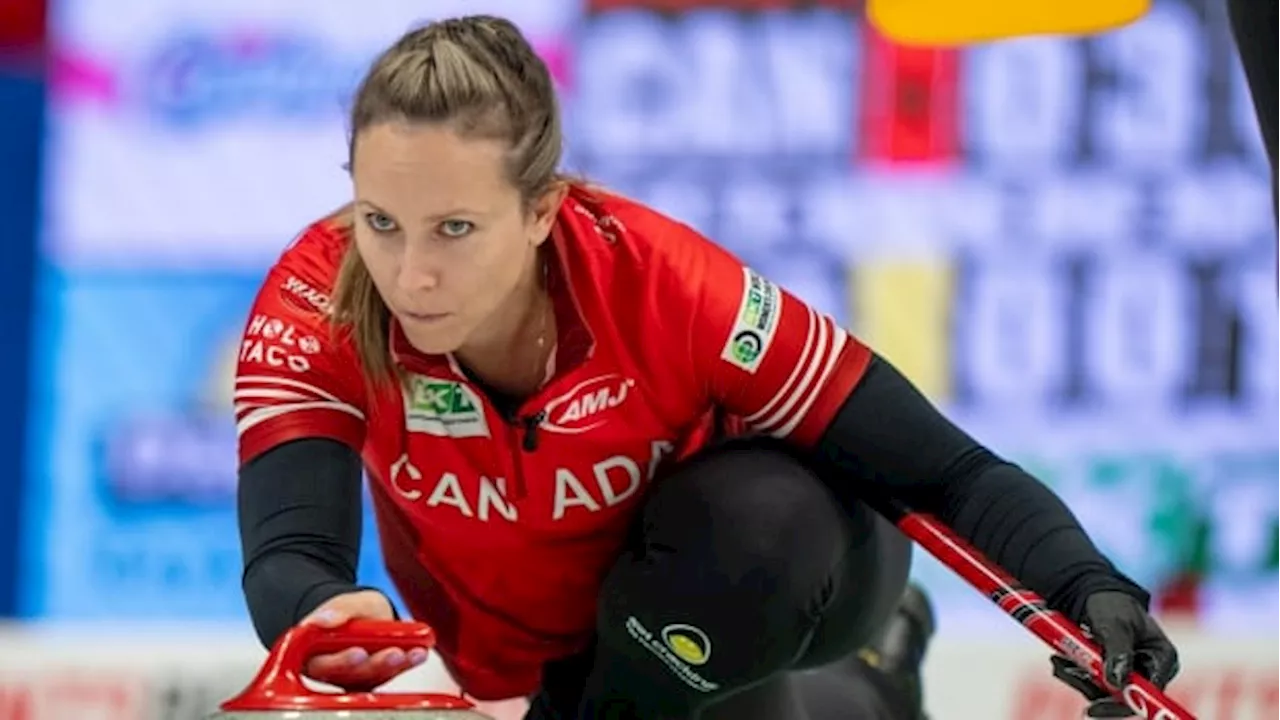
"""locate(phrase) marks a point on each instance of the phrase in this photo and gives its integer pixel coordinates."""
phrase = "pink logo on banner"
(78, 78)
(558, 56)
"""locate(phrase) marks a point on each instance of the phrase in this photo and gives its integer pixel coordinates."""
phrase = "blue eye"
(456, 228)
(380, 222)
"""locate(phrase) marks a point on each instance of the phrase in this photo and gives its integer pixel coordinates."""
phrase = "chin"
(434, 343)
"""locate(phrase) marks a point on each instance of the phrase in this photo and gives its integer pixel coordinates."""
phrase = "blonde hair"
(480, 75)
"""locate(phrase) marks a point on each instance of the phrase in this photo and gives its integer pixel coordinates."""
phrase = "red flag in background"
(910, 105)
(21, 26)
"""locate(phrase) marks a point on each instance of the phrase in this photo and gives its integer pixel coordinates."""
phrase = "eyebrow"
(451, 212)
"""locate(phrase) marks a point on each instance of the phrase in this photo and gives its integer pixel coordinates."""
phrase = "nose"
(418, 270)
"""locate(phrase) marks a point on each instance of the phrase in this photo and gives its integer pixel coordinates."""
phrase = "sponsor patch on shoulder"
(755, 323)
(305, 297)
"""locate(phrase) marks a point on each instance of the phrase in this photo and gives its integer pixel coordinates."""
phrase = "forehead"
(416, 166)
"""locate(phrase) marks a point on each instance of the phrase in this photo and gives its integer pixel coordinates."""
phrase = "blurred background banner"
(187, 144)
(1067, 243)
(198, 134)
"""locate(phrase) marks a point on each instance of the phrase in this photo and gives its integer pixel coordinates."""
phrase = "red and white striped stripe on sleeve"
(818, 360)
(260, 398)
(768, 357)
(294, 378)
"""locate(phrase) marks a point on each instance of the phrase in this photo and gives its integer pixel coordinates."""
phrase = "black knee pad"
(755, 514)
(740, 553)
(873, 575)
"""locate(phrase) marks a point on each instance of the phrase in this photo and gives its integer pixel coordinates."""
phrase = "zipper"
(531, 422)
(523, 433)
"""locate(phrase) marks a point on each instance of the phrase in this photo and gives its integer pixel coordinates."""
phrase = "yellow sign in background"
(952, 22)
(902, 309)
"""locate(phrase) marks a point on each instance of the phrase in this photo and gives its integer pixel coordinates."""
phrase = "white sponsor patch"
(444, 408)
(276, 343)
(314, 298)
(585, 406)
(755, 324)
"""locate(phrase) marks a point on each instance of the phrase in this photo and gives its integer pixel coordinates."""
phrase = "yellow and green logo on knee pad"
(688, 643)
(680, 647)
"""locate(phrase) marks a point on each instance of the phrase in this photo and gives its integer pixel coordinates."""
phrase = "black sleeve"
(300, 516)
(887, 437)
(1251, 23)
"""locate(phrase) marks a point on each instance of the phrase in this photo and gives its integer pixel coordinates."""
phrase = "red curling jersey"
(498, 529)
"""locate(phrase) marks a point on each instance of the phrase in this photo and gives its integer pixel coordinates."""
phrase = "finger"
(356, 671)
(324, 667)
(389, 660)
(1077, 678)
(388, 663)
(1157, 660)
(1108, 709)
(365, 677)
(1118, 668)
(1116, 638)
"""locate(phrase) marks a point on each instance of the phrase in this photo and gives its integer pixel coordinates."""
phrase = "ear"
(544, 209)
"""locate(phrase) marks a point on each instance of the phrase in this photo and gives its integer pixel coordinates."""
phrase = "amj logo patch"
(585, 407)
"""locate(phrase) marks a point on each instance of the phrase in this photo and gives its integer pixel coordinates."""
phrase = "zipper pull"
(531, 423)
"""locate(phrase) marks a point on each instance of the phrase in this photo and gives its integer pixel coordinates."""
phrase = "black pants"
(745, 569)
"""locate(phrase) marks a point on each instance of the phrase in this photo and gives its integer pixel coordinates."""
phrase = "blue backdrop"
(22, 97)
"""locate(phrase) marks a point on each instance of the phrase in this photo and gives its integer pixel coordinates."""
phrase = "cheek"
(492, 271)
(377, 260)
(495, 259)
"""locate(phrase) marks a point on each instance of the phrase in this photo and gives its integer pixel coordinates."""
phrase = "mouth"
(424, 317)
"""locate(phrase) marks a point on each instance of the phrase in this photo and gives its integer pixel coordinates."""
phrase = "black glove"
(1131, 640)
